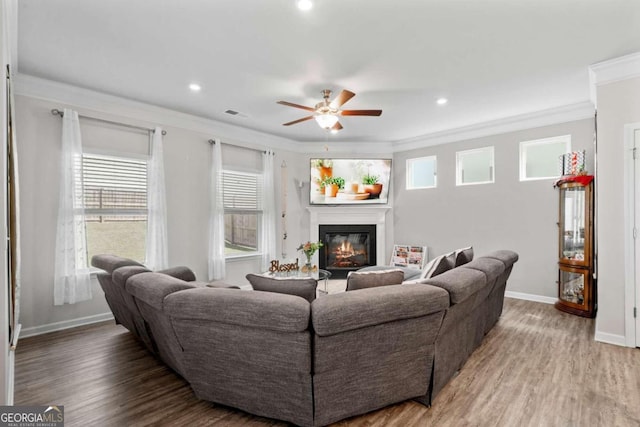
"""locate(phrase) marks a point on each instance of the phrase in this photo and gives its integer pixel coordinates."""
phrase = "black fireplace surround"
(346, 248)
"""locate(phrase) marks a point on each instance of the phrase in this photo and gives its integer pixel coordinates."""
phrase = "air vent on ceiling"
(236, 113)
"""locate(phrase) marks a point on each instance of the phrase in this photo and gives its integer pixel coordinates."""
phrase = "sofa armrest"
(181, 272)
(347, 311)
(261, 310)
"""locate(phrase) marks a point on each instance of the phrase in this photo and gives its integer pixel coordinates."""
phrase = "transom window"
(475, 166)
(242, 201)
(539, 159)
(422, 173)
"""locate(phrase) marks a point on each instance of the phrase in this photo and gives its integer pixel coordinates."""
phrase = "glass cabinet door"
(572, 224)
(572, 286)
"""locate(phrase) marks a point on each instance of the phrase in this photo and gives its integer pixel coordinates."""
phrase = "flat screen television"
(349, 181)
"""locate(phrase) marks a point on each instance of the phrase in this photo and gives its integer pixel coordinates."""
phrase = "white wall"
(187, 156)
(508, 214)
(618, 105)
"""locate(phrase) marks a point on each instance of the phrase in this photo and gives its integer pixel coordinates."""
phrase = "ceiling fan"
(327, 113)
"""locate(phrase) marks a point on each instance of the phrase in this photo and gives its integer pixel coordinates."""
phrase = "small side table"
(324, 276)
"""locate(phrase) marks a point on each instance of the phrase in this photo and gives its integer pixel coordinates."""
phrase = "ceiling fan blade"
(337, 126)
(304, 119)
(360, 112)
(343, 97)
(291, 104)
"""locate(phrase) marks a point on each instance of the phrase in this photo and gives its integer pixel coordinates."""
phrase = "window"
(421, 173)
(539, 159)
(475, 166)
(115, 201)
(242, 195)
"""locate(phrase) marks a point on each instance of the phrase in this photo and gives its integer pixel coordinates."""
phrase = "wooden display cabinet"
(576, 285)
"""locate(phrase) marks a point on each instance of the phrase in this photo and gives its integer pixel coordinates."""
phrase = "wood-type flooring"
(536, 367)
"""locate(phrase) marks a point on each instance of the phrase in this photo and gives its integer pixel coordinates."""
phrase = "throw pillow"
(303, 287)
(464, 255)
(438, 265)
(372, 279)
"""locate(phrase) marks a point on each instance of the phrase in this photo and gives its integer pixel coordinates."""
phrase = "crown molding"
(141, 114)
(564, 114)
(613, 70)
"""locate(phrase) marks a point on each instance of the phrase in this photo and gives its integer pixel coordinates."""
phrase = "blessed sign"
(276, 267)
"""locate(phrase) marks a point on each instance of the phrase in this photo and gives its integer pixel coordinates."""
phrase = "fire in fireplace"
(347, 248)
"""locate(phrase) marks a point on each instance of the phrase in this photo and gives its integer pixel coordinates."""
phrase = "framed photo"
(413, 257)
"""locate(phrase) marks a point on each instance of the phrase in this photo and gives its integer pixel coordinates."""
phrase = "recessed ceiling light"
(304, 4)
(195, 87)
(442, 101)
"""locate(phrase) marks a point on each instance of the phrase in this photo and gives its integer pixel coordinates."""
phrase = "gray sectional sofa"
(279, 356)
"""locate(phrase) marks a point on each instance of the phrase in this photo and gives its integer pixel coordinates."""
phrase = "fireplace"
(347, 248)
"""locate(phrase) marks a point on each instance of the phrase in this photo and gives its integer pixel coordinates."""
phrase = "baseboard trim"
(65, 324)
(530, 297)
(606, 338)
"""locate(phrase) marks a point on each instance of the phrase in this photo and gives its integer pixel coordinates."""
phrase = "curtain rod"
(57, 112)
(273, 153)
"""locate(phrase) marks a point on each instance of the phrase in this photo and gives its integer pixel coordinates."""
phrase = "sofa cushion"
(221, 284)
(346, 311)
(372, 279)
(409, 273)
(122, 274)
(460, 283)
(181, 272)
(491, 267)
(262, 310)
(152, 288)
(109, 263)
(304, 287)
(507, 257)
(464, 255)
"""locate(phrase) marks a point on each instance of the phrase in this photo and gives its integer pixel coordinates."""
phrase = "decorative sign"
(276, 267)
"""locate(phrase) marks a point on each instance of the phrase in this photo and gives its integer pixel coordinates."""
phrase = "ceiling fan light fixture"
(326, 120)
(304, 4)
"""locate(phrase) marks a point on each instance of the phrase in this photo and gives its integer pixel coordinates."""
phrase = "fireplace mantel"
(352, 215)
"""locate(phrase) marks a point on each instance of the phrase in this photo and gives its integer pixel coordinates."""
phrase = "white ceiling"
(491, 59)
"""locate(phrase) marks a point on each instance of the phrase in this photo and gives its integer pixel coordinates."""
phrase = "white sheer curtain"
(216, 215)
(156, 252)
(71, 283)
(268, 229)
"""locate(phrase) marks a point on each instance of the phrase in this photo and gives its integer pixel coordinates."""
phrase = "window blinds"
(241, 191)
(118, 185)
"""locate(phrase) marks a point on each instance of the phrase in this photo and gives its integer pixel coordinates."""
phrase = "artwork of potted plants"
(325, 170)
(371, 185)
(332, 185)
